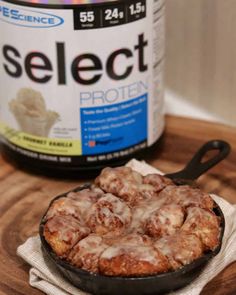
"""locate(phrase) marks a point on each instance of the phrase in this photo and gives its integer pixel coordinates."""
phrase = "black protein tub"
(82, 82)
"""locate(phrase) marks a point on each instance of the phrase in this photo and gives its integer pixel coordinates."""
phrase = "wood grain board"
(24, 198)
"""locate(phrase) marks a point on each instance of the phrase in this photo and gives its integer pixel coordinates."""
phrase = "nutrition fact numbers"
(101, 16)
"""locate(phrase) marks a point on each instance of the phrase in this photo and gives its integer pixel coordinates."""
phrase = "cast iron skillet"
(156, 284)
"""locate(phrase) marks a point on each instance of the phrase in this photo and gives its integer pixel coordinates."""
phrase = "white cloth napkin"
(44, 276)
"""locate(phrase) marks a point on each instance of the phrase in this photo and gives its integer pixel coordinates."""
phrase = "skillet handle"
(196, 167)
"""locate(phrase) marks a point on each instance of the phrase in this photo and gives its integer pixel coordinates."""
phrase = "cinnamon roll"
(109, 215)
(62, 232)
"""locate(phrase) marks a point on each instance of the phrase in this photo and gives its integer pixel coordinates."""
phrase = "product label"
(105, 129)
(81, 83)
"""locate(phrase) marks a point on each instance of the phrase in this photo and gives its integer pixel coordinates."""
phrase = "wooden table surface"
(24, 198)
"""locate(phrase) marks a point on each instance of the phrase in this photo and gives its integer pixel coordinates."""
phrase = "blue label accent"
(29, 18)
(111, 128)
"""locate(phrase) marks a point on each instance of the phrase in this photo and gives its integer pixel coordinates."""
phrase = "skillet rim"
(181, 271)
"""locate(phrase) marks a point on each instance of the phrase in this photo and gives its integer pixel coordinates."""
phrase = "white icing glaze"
(142, 212)
(136, 251)
(109, 213)
(67, 227)
(129, 202)
(92, 244)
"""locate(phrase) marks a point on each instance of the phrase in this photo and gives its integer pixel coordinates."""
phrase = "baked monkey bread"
(129, 225)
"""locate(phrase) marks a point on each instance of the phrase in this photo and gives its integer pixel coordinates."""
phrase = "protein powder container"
(81, 84)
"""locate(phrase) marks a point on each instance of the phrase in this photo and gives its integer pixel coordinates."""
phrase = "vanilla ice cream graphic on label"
(31, 113)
